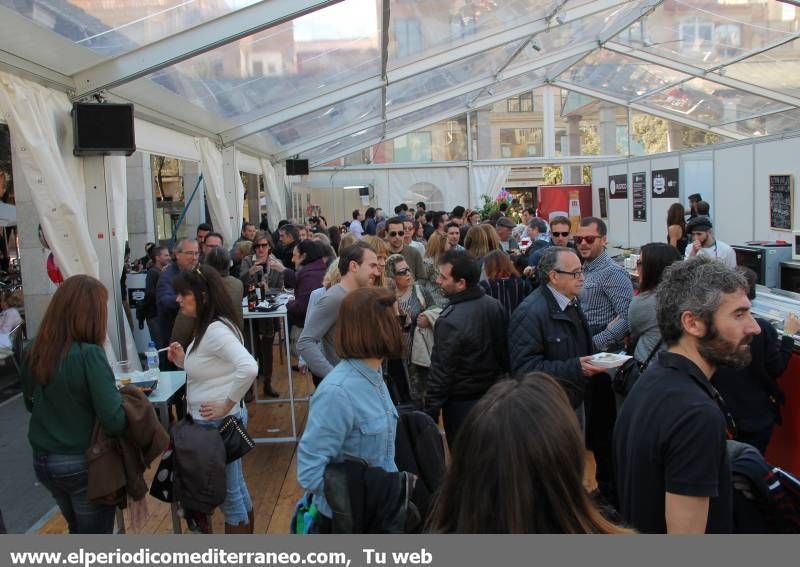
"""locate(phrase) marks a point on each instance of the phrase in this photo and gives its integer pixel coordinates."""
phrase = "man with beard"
(705, 244)
(670, 456)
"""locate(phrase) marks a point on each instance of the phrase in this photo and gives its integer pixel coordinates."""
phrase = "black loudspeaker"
(103, 129)
(296, 167)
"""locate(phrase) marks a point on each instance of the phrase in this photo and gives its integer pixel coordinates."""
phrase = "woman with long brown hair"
(676, 227)
(219, 371)
(351, 412)
(67, 386)
(503, 281)
(508, 478)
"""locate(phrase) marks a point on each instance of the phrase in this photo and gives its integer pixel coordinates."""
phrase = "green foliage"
(489, 206)
(552, 175)
(651, 132)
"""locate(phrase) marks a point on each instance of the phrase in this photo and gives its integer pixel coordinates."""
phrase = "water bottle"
(151, 354)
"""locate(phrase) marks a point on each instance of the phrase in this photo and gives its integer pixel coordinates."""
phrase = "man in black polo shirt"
(670, 457)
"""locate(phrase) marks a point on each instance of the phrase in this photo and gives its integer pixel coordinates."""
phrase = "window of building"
(413, 147)
(728, 40)
(520, 142)
(407, 36)
(258, 68)
(694, 33)
(521, 103)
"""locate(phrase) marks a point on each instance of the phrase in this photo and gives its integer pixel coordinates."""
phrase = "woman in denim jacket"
(351, 412)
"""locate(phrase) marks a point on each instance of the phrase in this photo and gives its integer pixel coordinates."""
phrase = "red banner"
(571, 201)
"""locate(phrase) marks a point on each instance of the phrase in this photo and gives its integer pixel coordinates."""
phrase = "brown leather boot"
(251, 520)
(242, 528)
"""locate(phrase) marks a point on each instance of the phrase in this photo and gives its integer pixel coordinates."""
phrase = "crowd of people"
(450, 317)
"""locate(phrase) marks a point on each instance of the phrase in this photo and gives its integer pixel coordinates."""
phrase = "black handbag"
(627, 374)
(235, 438)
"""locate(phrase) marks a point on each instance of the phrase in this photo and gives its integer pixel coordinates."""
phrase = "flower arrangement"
(491, 206)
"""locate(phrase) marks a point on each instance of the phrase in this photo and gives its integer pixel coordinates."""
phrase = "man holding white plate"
(549, 332)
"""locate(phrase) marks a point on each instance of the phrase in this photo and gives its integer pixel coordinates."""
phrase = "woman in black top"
(503, 281)
(676, 228)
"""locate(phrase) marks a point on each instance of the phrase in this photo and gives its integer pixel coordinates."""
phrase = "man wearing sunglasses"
(395, 235)
(606, 296)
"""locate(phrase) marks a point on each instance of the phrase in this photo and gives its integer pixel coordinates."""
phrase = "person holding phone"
(256, 270)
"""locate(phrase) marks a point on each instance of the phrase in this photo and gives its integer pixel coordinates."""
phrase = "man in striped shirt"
(605, 298)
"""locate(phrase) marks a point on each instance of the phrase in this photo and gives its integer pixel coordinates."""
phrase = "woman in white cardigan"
(219, 372)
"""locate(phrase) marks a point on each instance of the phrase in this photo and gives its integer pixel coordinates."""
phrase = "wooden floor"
(269, 470)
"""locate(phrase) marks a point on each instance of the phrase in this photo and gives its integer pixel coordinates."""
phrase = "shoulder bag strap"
(652, 353)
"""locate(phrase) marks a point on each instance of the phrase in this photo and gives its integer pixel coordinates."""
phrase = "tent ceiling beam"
(449, 55)
(190, 42)
(333, 96)
(19, 66)
(759, 51)
(648, 110)
(486, 81)
(426, 64)
(446, 115)
(701, 73)
(339, 134)
(754, 116)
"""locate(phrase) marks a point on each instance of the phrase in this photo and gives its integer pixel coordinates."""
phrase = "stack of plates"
(609, 359)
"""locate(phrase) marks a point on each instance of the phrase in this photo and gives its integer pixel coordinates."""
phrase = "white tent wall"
(733, 178)
(72, 198)
(211, 164)
(619, 216)
(391, 187)
(117, 193)
(777, 157)
(486, 180)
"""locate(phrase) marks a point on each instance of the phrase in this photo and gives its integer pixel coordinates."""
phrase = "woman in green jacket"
(68, 385)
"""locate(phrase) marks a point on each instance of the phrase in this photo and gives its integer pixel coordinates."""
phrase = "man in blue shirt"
(606, 297)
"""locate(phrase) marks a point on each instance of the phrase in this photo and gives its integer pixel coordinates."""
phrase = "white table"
(170, 386)
(279, 313)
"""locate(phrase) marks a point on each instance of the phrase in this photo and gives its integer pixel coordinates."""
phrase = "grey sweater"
(316, 342)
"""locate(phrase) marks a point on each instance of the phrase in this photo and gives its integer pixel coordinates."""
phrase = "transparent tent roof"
(323, 78)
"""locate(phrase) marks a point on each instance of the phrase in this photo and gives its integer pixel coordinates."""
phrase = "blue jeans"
(67, 479)
(237, 499)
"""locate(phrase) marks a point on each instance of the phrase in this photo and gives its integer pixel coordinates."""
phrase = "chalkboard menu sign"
(618, 186)
(781, 202)
(603, 202)
(638, 190)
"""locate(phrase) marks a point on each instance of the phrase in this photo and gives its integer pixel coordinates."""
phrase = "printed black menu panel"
(781, 202)
(603, 195)
(618, 186)
(639, 193)
(665, 184)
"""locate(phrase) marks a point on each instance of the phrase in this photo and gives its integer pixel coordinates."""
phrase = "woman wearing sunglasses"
(255, 270)
(412, 300)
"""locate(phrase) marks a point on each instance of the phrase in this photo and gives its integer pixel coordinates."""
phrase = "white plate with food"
(609, 359)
